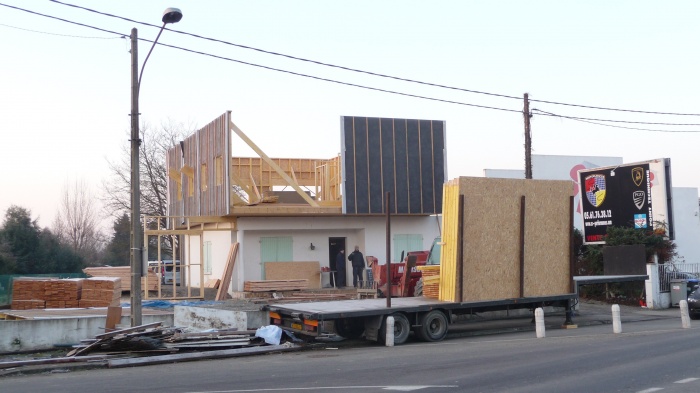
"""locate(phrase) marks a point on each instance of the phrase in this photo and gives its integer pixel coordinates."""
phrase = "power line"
(272, 68)
(583, 120)
(614, 121)
(61, 35)
(373, 73)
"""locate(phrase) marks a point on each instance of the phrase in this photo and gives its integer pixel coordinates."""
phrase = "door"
(335, 244)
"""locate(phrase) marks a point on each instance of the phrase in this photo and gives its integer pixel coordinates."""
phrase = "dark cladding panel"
(438, 162)
(414, 179)
(404, 157)
(374, 151)
(361, 167)
(426, 167)
(387, 127)
(401, 190)
(348, 165)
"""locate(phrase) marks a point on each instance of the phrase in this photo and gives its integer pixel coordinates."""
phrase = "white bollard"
(617, 323)
(685, 317)
(389, 331)
(539, 322)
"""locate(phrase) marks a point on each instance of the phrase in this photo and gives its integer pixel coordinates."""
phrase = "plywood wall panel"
(491, 238)
(295, 270)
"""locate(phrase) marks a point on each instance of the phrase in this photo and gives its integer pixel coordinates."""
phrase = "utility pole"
(528, 137)
(136, 258)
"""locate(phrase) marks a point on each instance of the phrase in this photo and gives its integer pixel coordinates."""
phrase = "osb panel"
(294, 271)
(492, 237)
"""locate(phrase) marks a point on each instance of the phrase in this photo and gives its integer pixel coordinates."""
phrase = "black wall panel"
(404, 157)
(388, 178)
(374, 150)
(400, 192)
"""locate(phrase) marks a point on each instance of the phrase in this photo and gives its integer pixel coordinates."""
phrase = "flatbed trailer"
(428, 318)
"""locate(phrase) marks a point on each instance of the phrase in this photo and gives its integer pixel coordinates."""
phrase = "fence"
(684, 271)
(6, 283)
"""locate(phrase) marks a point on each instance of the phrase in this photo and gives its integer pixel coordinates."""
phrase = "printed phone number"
(596, 214)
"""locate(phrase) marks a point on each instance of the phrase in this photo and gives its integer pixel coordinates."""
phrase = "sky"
(65, 88)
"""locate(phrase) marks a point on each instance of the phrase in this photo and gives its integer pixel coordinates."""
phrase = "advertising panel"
(635, 195)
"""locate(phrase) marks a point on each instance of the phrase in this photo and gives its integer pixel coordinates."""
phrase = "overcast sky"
(65, 89)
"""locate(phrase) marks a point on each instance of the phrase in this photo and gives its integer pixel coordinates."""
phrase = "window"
(219, 170)
(204, 176)
(403, 243)
(207, 257)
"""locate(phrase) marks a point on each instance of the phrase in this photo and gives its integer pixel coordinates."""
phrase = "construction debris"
(275, 285)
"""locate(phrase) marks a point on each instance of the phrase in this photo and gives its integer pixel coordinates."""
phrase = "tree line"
(75, 239)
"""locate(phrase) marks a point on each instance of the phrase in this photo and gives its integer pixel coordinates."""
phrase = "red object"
(397, 273)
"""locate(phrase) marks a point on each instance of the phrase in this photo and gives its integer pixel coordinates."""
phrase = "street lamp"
(170, 15)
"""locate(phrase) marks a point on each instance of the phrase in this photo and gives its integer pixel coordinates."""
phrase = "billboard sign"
(636, 195)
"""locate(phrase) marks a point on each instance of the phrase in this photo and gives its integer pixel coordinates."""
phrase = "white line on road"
(687, 380)
(650, 390)
(407, 388)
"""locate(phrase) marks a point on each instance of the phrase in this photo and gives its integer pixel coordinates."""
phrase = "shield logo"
(595, 189)
(638, 176)
(638, 197)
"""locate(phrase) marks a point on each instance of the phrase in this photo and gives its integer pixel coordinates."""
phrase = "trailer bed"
(336, 309)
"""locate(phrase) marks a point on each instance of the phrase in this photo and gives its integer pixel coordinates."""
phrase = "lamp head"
(172, 15)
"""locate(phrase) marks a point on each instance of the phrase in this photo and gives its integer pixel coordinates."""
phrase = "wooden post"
(522, 246)
(388, 249)
(460, 249)
(528, 138)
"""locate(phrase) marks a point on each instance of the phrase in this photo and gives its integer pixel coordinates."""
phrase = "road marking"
(650, 390)
(406, 388)
(687, 380)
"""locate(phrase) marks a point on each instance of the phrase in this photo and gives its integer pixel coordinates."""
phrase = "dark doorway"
(335, 244)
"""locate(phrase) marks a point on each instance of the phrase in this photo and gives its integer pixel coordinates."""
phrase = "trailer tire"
(433, 326)
(350, 328)
(402, 328)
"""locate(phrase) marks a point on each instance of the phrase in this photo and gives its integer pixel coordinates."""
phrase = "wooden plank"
(228, 272)
(310, 271)
(114, 315)
(274, 165)
(127, 330)
(183, 357)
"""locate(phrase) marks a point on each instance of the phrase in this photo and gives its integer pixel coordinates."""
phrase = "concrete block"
(204, 318)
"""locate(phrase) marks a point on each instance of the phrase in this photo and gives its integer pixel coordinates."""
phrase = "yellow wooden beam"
(274, 165)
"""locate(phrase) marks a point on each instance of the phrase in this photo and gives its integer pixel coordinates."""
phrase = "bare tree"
(153, 171)
(153, 175)
(78, 223)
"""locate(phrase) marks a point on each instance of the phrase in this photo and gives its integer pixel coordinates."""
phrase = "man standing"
(340, 269)
(358, 265)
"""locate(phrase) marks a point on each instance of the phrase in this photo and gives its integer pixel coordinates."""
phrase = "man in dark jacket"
(340, 269)
(358, 265)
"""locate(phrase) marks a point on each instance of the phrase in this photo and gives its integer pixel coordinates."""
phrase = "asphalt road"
(652, 354)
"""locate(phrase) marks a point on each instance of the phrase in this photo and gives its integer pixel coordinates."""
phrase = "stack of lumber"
(101, 292)
(431, 280)
(63, 293)
(275, 285)
(124, 274)
(28, 293)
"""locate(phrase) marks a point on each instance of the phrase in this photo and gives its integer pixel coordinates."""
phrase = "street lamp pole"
(171, 15)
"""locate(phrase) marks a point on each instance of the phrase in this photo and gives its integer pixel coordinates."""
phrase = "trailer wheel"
(402, 328)
(433, 326)
(350, 328)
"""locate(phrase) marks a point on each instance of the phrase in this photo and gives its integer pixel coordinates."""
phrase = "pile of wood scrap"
(275, 285)
(124, 274)
(153, 338)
